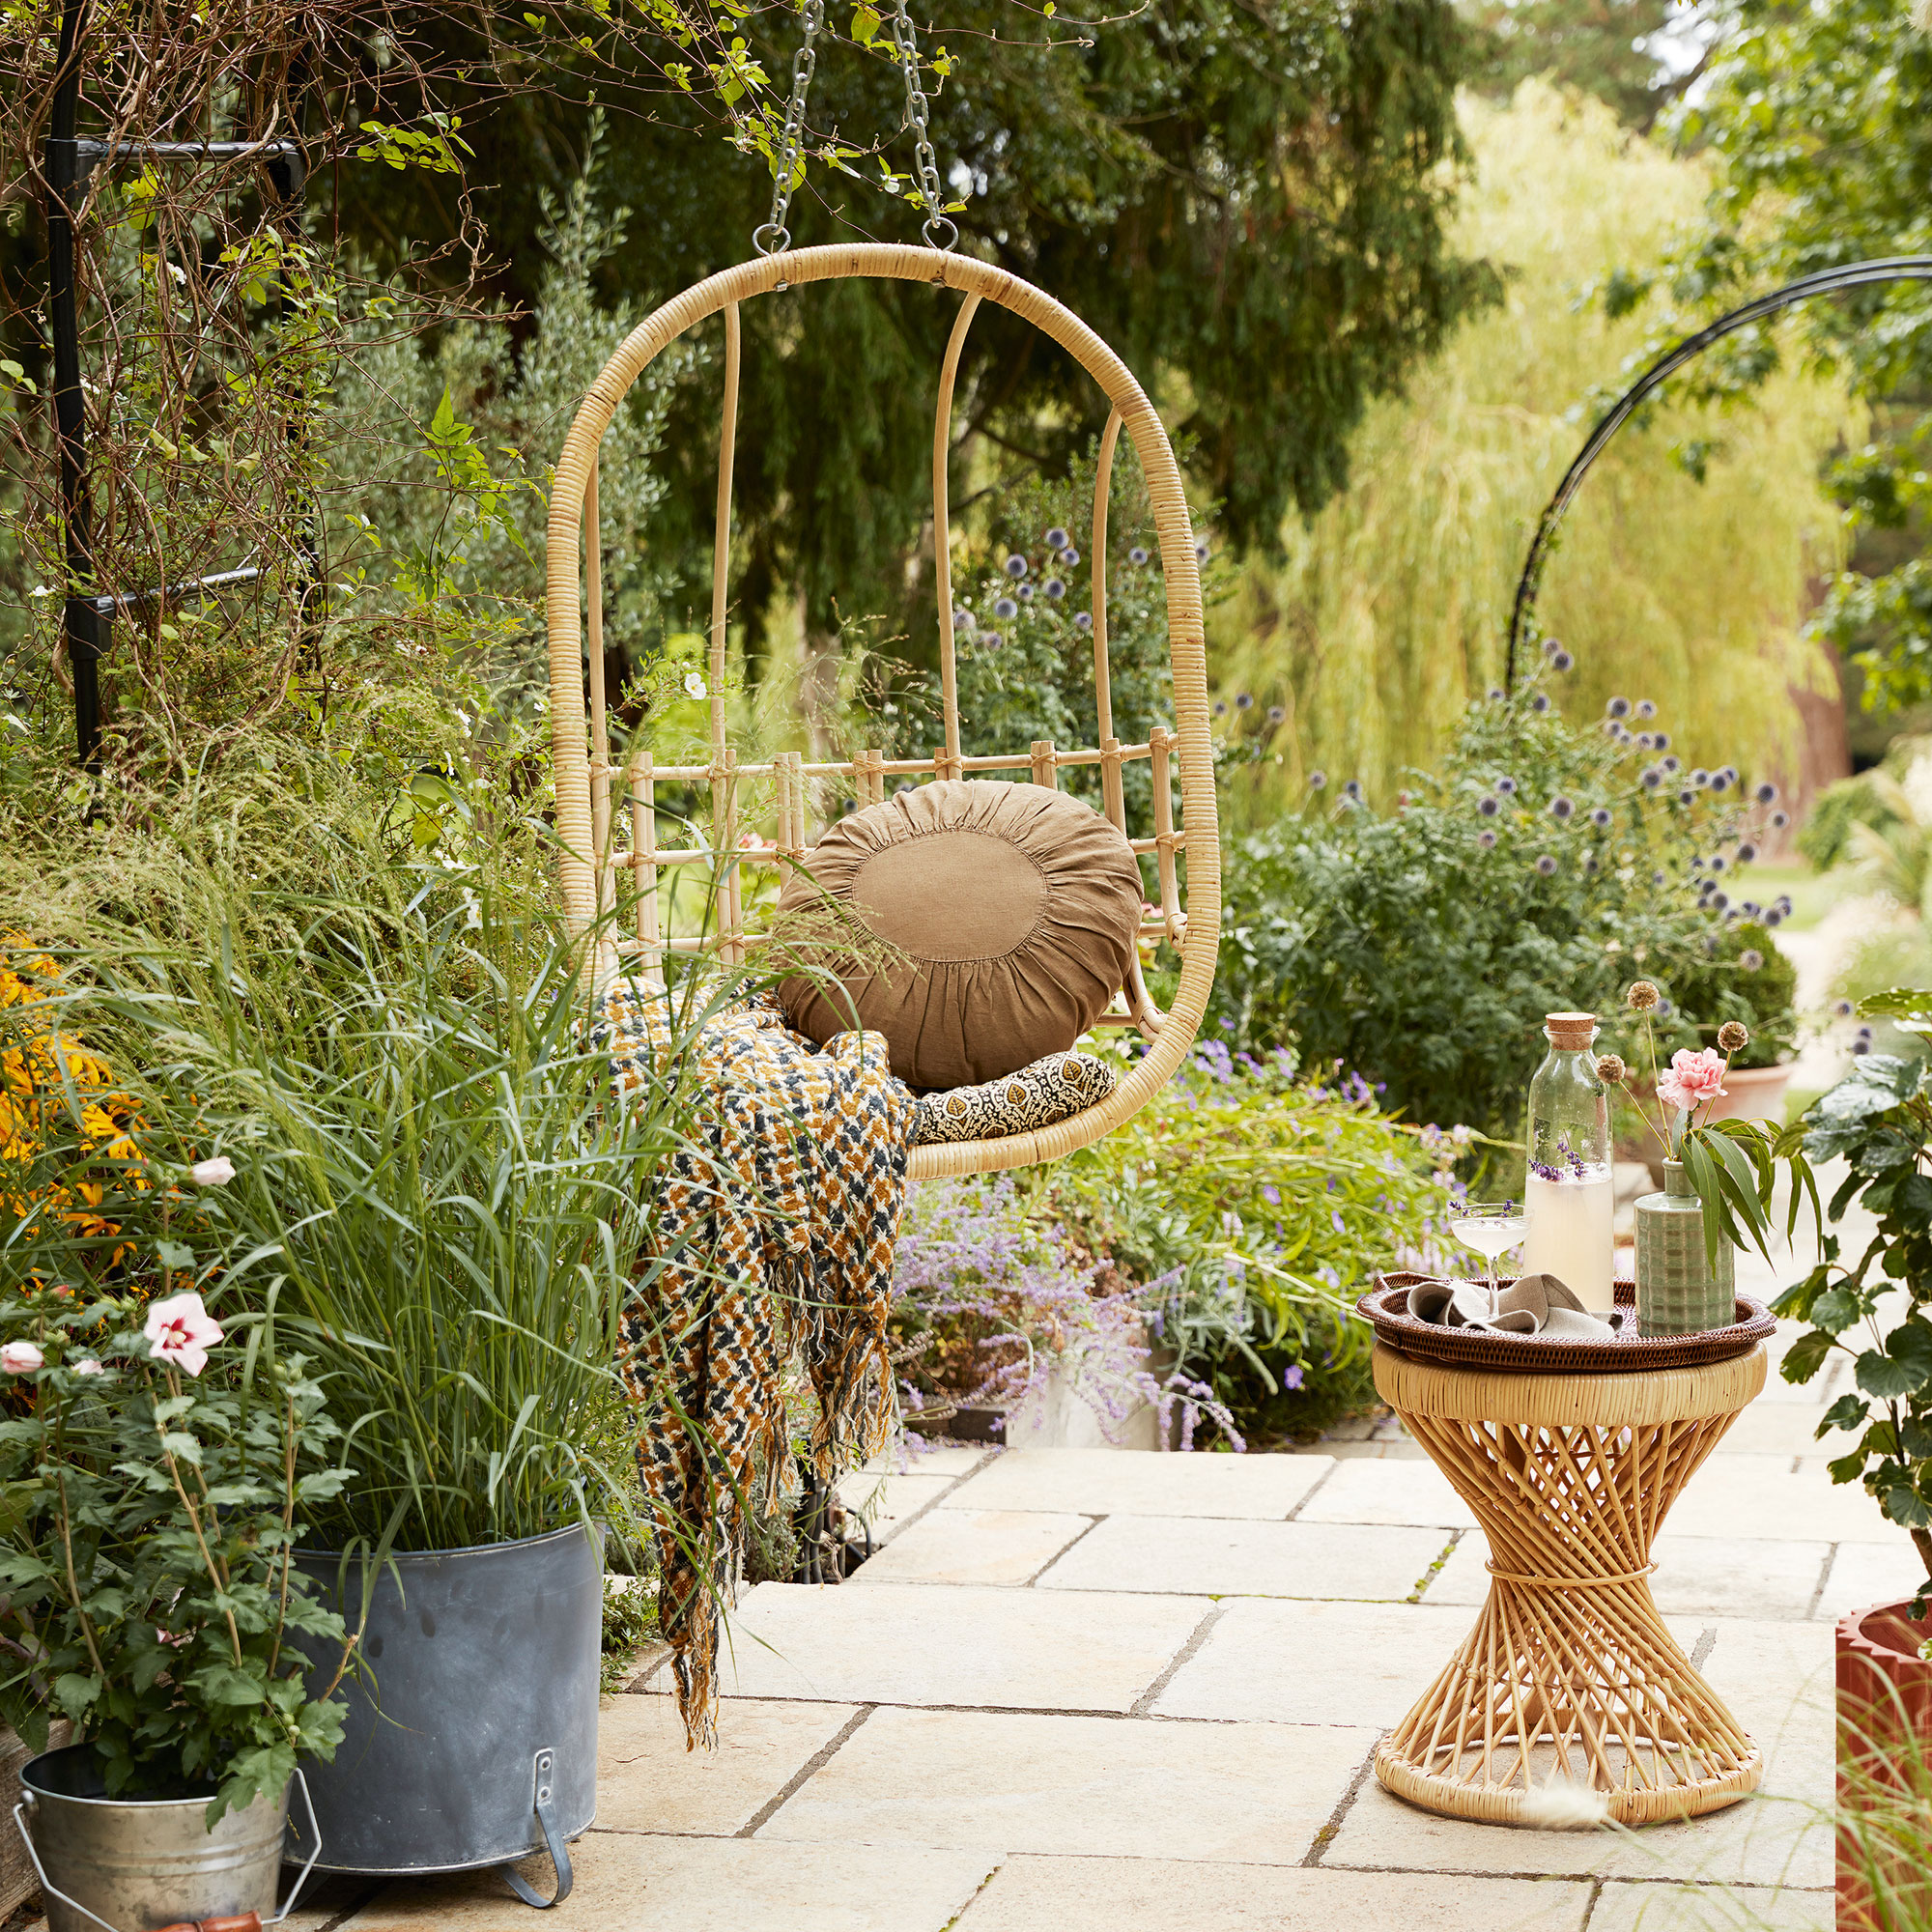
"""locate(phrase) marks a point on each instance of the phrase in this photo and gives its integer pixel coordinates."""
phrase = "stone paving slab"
(1252, 1794)
(1315, 1663)
(886, 1498)
(628, 1883)
(1864, 1573)
(1218, 1557)
(910, 1643)
(647, 1781)
(1763, 1496)
(1388, 1492)
(1105, 1482)
(1776, 1428)
(1695, 1574)
(1674, 1908)
(974, 1545)
(1131, 1895)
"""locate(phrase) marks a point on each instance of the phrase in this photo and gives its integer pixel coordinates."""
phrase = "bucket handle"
(53, 1890)
(554, 1841)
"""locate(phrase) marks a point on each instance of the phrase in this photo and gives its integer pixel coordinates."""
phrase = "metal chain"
(936, 223)
(774, 237)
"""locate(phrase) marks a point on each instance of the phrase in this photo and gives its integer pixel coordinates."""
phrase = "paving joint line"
(925, 1509)
(812, 1765)
(1093, 1523)
(1435, 1569)
(1824, 1578)
(1312, 1858)
(1314, 1489)
(349, 1912)
(1143, 1705)
(1590, 1904)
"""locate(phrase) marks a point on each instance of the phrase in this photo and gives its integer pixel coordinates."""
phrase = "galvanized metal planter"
(122, 1864)
(1678, 1291)
(479, 1745)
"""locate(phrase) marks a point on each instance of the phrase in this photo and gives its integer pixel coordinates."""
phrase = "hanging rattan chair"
(605, 810)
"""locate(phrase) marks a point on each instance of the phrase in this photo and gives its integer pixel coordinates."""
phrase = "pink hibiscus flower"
(180, 1330)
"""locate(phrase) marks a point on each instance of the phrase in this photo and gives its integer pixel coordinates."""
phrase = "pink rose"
(1692, 1079)
(21, 1359)
(181, 1330)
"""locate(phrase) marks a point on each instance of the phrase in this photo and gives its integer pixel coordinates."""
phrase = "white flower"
(181, 1329)
(1563, 1806)
(21, 1359)
(88, 1366)
(695, 686)
(216, 1172)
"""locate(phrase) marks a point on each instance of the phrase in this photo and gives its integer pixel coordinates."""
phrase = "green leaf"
(1849, 1411)
(1803, 1359)
(1848, 1469)
(172, 1255)
(223, 1684)
(865, 25)
(75, 1694)
(1835, 1311)
(1886, 1377)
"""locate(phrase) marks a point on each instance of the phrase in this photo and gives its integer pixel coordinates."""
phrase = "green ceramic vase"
(1678, 1293)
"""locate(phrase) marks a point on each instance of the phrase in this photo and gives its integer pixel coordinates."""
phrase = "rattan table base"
(1569, 1675)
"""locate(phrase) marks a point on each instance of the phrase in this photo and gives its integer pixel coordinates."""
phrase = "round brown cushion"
(1017, 906)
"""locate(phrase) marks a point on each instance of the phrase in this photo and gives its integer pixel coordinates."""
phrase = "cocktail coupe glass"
(1491, 1228)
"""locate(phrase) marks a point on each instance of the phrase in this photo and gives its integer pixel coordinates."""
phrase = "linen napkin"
(1533, 1305)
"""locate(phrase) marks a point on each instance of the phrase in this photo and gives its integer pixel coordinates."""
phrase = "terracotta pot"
(1754, 1093)
(1885, 1746)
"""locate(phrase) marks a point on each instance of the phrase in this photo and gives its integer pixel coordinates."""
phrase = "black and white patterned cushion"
(1047, 1091)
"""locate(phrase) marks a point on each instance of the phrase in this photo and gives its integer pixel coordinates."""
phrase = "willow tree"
(1687, 567)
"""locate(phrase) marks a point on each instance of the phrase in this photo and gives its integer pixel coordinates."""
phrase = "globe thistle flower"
(1591, 865)
(990, 640)
(1024, 593)
(1352, 789)
(1201, 553)
(1783, 903)
(1137, 556)
(1750, 909)
(1618, 707)
(1650, 778)
(1697, 865)
(1496, 694)
(1729, 773)
(1317, 779)
(1611, 1069)
(1277, 715)
(1656, 878)
(1661, 740)
(1016, 566)
(1561, 661)
(1244, 700)
(1539, 702)
(1664, 1009)
(1718, 781)
(1545, 864)
(1489, 806)
(1083, 620)
(1601, 817)
(1779, 820)
(1220, 707)
(1646, 708)
(1642, 997)
(1551, 646)
(1750, 960)
(1686, 798)
(1708, 946)
(1843, 1008)
(1005, 606)
(1766, 794)
(1861, 1046)
(1055, 588)
(1056, 538)
(1507, 786)
(1718, 862)
(1700, 777)
(1747, 852)
(1672, 763)
(1865, 1033)
(1774, 917)
(1487, 840)
(1733, 1037)
(962, 619)
(1720, 900)
(1561, 808)
(1645, 742)
(1070, 558)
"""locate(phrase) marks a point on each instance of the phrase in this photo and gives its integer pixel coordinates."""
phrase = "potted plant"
(1739, 976)
(153, 1503)
(434, 1198)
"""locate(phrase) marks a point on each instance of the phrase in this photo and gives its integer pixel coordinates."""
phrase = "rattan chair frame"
(595, 796)
(1570, 1672)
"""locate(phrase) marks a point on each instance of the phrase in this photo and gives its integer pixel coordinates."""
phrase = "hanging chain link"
(774, 237)
(917, 112)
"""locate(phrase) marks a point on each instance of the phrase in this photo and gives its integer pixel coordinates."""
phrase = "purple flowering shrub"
(1256, 1203)
(992, 1296)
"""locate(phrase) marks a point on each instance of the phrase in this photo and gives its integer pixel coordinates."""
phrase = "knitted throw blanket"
(778, 1225)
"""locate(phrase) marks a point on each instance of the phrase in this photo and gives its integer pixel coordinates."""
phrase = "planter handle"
(53, 1890)
(553, 1843)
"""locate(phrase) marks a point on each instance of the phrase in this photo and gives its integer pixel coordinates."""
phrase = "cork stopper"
(1570, 1032)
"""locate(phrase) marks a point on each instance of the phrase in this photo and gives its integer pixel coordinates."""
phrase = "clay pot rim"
(1852, 1635)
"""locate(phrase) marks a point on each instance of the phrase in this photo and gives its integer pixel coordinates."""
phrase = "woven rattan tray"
(1386, 1307)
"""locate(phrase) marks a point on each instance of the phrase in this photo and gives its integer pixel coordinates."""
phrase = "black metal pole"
(80, 623)
(1826, 281)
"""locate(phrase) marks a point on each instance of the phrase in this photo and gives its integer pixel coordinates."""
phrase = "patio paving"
(1099, 1689)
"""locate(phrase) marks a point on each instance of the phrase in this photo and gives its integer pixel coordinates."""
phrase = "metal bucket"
(479, 1742)
(135, 1864)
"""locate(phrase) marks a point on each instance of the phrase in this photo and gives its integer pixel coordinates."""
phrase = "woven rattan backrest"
(606, 814)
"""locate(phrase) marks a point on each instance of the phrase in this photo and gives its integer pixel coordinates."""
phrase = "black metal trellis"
(87, 621)
(1826, 281)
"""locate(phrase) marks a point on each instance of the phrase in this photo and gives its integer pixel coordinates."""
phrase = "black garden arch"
(1826, 281)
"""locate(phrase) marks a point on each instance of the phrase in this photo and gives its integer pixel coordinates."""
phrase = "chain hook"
(772, 236)
(917, 113)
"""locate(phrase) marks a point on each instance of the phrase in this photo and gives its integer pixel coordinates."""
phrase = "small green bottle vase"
(1678, 1293)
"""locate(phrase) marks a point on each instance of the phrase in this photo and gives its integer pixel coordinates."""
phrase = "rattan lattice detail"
(1569, 1674)
(606, 809)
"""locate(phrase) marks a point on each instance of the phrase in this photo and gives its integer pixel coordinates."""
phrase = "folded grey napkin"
(1533, 1305)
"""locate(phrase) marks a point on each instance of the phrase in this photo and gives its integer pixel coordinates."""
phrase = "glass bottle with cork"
(1569, 1190)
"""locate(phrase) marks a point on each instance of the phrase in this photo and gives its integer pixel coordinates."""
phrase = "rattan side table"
(1569, 1673)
